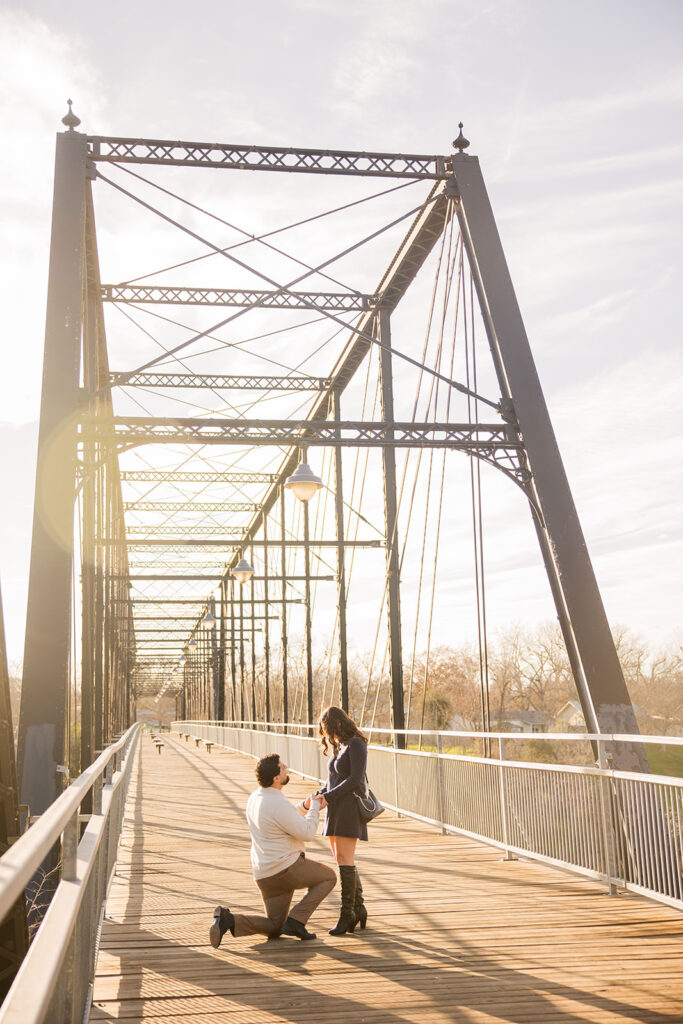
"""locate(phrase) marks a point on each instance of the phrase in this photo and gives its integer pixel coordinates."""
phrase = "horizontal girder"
(189, 506)
(219, 381)
(208, 545)
(341, 302)
(205, 477)
(202, 600)
(188, 531)
(133, 430)
(188, 618)
(110, 149)
(212, 576)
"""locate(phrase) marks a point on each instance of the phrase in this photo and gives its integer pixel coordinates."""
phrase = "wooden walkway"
(455, 934)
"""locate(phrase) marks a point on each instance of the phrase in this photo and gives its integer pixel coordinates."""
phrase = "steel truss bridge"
(145, 516)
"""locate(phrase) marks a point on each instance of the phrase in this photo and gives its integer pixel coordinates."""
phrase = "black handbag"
(368, 804)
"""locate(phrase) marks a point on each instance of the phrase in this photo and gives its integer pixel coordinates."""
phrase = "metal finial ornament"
(461, 142)
(70, 119)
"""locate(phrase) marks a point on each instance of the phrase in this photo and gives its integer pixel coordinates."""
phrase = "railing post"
(97, 796)
(606, 819)
(503, 800)
(439, 783)
(395, 741)
(70, 849)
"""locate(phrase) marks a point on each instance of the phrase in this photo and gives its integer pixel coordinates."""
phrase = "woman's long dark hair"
(336, 727)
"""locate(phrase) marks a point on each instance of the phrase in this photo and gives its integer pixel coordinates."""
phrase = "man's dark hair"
(267, 768)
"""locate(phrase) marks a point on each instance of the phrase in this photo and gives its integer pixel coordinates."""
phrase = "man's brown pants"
(277, 891)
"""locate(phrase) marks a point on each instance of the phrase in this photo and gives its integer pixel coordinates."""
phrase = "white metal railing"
(54, 983)
(624, 828)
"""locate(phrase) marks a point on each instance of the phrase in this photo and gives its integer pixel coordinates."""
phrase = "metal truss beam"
(190, 506)
(218, 381)
(186, 618)
(202, 600)
(214, 576)
(340, 302)
(149, 476)
(42, 731)
(207, 546)
(109, 149)
(604, 697)
(180, 630)
(133, 430)
(171, 566)
(188, 531)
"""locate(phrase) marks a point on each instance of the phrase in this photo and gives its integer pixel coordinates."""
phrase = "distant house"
(520, 721)
(570, 716)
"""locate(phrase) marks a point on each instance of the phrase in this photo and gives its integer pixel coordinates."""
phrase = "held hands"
(322, 802)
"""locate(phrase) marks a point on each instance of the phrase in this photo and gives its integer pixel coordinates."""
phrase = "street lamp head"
(209, 619)
(303, 482)
(243, 571)
(192, 645)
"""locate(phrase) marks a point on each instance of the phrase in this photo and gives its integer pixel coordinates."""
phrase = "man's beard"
(285, 780)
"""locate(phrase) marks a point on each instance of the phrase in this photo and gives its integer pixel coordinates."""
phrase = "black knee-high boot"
(347, 917)
(359, 908)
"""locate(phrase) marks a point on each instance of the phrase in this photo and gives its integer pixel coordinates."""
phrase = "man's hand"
(322, 802)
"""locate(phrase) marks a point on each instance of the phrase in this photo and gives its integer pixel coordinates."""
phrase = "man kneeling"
(278, 833)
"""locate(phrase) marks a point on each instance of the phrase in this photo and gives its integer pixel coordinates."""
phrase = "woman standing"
(343, 826)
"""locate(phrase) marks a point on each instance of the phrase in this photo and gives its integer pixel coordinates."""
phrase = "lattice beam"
(190, 506)
(339, 302)
(108, 149)
(219, 381)
(148, 476)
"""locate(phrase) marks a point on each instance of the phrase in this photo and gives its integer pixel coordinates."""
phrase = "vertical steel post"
(283, 566)
(253, 642)
(440, 784)
(266, 636)
(42, 723)
(341, 563)
(599, 679)
(309, 644)
(88, 626)
(241, 627)
(220, 655)
(218, 690)
(391, 531)
(233, 661)
(99, 612)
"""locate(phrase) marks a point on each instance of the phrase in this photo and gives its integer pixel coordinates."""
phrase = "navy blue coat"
(345, 778)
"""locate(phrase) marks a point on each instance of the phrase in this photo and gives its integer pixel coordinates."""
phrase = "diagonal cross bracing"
(110, 149)
(134, 430)
(220, 381)
(339, 302)
(202, 477)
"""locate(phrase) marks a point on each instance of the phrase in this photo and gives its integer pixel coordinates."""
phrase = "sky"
(575, 111)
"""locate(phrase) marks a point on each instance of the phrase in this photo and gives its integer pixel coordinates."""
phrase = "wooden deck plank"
(455, 933)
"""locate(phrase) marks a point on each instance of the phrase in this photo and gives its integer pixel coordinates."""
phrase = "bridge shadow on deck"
(434, 949)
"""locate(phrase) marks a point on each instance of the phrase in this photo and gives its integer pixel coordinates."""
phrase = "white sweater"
(278, 830)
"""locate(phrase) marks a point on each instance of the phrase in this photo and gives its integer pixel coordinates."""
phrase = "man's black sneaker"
(296, 928)
(223, 921)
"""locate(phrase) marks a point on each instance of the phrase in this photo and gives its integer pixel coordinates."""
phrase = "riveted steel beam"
(190, 506)
(148, 476)
(340, 302)
(110, 149)
(218, 381)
